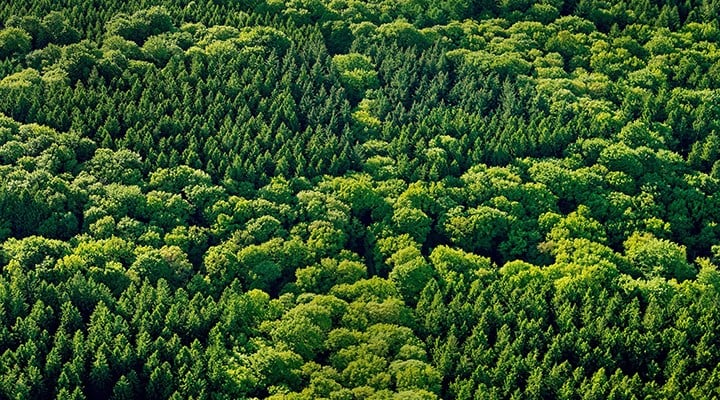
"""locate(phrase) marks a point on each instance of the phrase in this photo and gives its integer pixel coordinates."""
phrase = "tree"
(168, 263)
(33, 26)
(412, 221)
(177, 179)
(657, 257)
(122, 166)
(159, 50)
(266, 367)
(167, 210)
(577, 224)
(99, 374)
(161, 382)
(321, 277)
(357, 73)
(79, 59)
(14, 41)
(122, 390)
(449, 262)
(475, 230)
(415, 374)
(410, 273)
(59, 30)
(303, 334)
(403, 33)
(368, 370)
(141, 25)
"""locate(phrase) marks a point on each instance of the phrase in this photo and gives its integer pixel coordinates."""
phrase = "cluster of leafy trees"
(359, 199)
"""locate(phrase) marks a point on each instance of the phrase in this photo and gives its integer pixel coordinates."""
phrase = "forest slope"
(359, 199)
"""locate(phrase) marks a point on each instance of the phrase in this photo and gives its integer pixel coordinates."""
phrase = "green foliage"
(357, 74)
(14, 41)
(58, 29)
(359, 199)
(657, 257)
(140, 25)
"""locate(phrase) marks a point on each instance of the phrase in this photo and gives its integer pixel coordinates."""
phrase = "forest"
(359, 199)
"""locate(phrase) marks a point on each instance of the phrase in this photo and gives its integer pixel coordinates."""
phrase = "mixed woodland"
(359, 199)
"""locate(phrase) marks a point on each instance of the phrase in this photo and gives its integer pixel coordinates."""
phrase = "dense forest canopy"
(359, 199)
